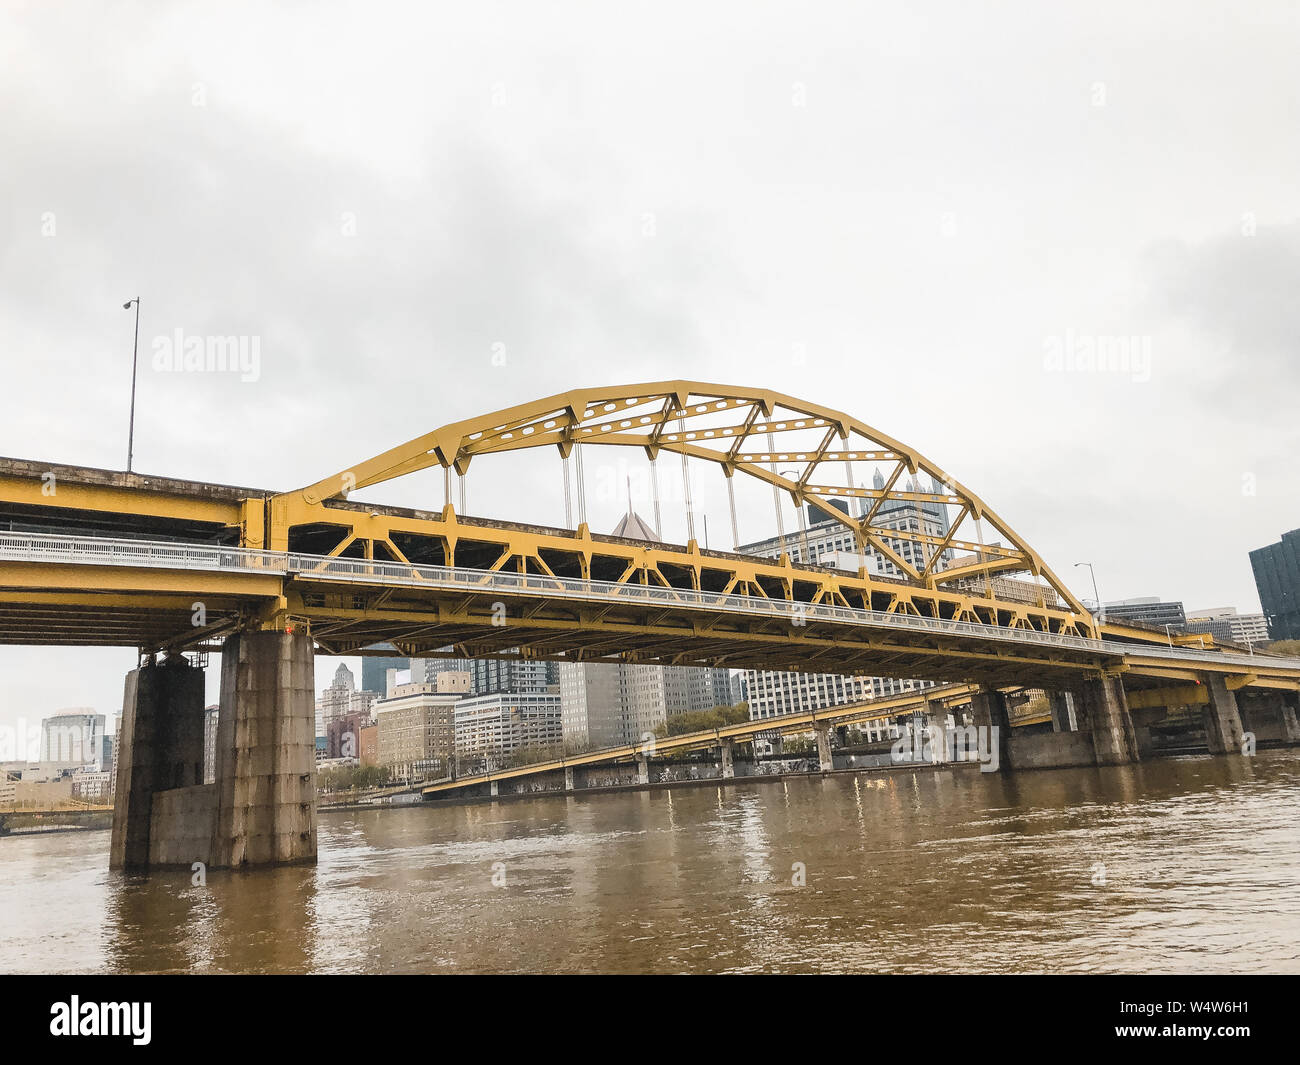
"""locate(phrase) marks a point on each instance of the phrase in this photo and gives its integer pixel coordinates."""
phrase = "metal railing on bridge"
(80, 550)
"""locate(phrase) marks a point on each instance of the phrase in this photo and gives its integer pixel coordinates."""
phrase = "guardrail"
(154, 554)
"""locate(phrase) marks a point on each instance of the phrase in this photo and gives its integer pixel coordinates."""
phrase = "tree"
(345, 778)
(703, 720)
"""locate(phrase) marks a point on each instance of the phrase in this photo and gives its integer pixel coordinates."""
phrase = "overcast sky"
(919, 214)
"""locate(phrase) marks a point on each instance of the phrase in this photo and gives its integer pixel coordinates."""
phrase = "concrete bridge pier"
(266, 750)
(643, 770)
(935, 721)
(1063, 716)
(1223, 731)
(160, 749)
(569, 782)
(1270, 716)
(494, 788)
(989, 711)
(825, 759)
(727, 751)
(261, 810)
(1105, 707)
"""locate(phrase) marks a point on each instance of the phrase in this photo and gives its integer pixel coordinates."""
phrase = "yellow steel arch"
(738, 429)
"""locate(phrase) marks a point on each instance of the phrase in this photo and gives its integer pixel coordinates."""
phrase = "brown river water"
(1178, 865)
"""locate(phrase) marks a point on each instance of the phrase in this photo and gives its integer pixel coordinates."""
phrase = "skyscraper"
(1149, 610)
(826, 535)
(73, 736)
(374, 671)
(342, 701)
(608, 703)
(1277, 578)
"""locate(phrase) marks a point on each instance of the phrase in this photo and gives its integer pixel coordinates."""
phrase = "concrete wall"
(182, 825)
(1270, 717)
(1052, 750)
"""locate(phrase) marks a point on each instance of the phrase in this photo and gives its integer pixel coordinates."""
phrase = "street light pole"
(135, 359)
(1101, 610)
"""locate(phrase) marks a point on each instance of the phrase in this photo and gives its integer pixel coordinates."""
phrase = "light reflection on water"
(947, 871)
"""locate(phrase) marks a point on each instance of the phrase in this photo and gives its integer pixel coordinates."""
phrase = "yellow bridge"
(271, 578)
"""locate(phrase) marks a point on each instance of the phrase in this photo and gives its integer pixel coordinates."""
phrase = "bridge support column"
(1270, 716)
(1291, 717)
(989, 712)
(1223, 731)
(160, 749)
(1063, 718)
(1290, 720)
(728, 762)
(1114, 741)
(494, 789)
(936, 732)
(266, 750)
(569, 784)
(643, 770)
(824, 756)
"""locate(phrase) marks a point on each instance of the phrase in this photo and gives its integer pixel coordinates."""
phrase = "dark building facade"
(343, 735)
(1277, 579)
(510, 676)
(1149, 611)
(374, 673)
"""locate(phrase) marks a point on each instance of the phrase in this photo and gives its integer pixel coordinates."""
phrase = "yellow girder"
(643, 416)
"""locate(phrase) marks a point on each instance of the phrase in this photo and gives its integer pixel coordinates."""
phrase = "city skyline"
(702, 252)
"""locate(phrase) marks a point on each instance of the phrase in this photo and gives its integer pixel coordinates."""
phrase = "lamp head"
(127, 305)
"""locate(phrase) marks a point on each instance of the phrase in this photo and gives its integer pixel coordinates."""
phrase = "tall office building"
(592, 705)
(825, 539)
(1149, 610)
(604, 704)
(490, 676)
(73, 737)
(1277, 578)
(773, 693)
(340, 701)
(1224, 623)
(210, 715)
(424, 670)
(492, 727)
(374, 671)
(416, 730)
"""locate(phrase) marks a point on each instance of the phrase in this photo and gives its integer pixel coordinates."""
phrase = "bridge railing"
(80, 550)
(152, 554)
(355, 570)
